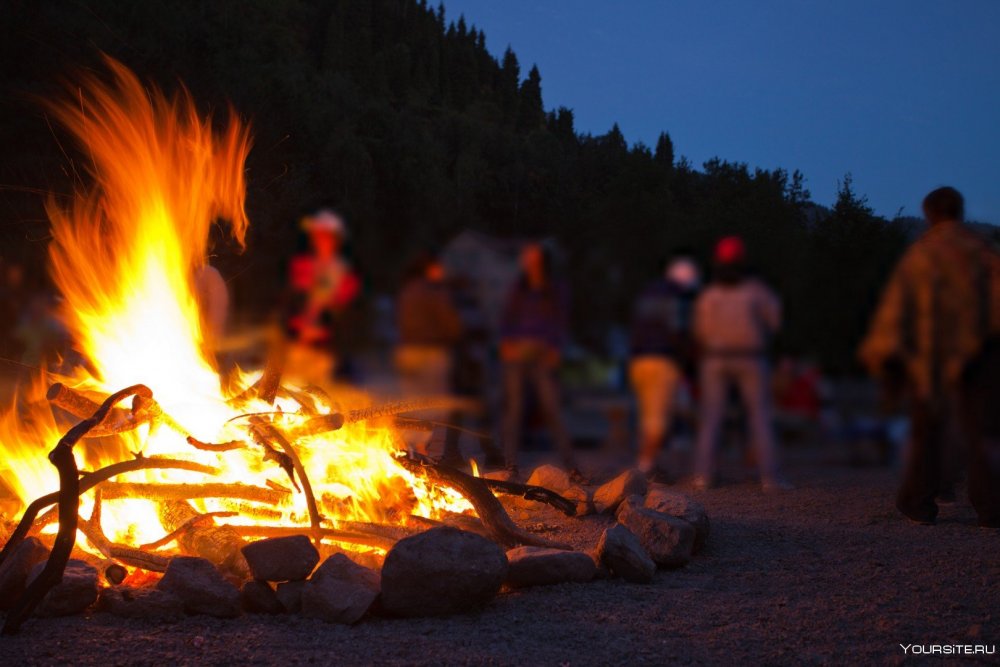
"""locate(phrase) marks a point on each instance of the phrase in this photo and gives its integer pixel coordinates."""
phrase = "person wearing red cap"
(322, 285)
(735, 318)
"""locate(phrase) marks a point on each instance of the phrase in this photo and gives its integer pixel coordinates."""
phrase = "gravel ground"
(827, 573)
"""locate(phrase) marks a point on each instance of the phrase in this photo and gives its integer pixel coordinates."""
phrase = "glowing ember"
(124, 256)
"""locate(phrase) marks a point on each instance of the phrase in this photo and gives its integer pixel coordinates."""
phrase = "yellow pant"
(655, 380)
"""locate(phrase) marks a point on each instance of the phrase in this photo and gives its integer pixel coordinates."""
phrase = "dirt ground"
(827, 573)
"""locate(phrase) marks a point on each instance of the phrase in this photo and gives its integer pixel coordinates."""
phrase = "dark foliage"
(405, 119)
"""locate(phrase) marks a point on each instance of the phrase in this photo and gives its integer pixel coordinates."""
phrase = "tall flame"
(124, 255)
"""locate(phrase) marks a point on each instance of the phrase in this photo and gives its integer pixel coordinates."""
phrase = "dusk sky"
(904, 94)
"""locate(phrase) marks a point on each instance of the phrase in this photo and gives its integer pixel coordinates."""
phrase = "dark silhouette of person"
(935, 337)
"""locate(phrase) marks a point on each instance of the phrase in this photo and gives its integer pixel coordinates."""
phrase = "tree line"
(400, 114)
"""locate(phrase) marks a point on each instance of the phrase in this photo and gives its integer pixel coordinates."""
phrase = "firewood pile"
(338, 571)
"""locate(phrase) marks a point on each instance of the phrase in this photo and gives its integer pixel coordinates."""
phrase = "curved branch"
(69, 503)
(495, 519)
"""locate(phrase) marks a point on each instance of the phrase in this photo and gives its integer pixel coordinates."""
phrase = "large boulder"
(609, 496)
(674, 503)
(340, 591)
(441, 571)
(143, 602)
(551, 477)
(16, 568)
(538, 566)
(621, 552)
(281, 558)
(669, 541)
(77, 590)
(201, 587)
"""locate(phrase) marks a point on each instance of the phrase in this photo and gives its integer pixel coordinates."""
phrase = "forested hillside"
(397, 111)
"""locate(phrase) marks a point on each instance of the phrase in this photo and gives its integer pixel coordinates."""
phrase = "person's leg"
(549, 396)
(713, 384)
(755, 392)
(922, 476)
(978, 400)
(648, 376)
(513, 383)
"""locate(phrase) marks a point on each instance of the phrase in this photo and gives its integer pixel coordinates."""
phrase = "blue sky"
(904, 94)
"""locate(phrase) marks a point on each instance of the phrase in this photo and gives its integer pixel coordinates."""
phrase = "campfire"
(143, 455)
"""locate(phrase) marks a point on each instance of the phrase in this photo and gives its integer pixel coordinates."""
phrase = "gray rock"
(16, 568)
(674, 503)
(609, 496)
(669, 541)
(538, 566)
(290, 595)
(340, 591)
(77, 590)
(142, 602)
(551, 477)
(622, 553)
(201, 587)
(441, 571)
(281, 558)
(259, 598)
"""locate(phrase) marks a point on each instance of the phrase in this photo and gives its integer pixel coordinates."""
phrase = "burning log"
(219, 544)
(161, 492)
(183, 528)
(215, 447)
(117, 421)
(317, 426)
(410, 405)
(501, 527)
(69, 501)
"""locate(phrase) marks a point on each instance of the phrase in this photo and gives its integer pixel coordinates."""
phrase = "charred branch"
(269, 437)
(497, 522)
(167, 491)
(69, 502)
(89, 480)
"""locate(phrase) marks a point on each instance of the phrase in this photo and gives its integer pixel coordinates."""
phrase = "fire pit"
(167, 488)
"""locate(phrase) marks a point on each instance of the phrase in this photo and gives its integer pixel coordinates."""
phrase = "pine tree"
(664, 155)
(530, 113)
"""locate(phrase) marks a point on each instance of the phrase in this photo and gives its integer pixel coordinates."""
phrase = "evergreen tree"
(664, 154)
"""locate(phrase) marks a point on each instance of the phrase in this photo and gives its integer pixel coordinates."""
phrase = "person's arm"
(883, 345)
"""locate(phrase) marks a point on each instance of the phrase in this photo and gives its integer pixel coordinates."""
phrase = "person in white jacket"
(735, 318)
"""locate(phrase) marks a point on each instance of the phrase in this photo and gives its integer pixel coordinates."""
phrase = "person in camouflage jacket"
(935, 333)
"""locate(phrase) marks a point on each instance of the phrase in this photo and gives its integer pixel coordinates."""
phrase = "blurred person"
(470, 372)
(661, 346)
(935, 337)
(735, 318)
(429, 327)
(533, 330)
(322, 286)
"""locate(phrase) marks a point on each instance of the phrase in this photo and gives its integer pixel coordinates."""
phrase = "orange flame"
(124, 256)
